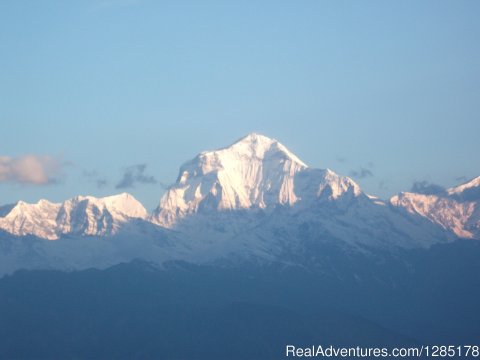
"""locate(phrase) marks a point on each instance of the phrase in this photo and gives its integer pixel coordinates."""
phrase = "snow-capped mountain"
(82, 215)
(256, 172)
(457, 209)
(30, 219)
(253, 200)
(469, 191)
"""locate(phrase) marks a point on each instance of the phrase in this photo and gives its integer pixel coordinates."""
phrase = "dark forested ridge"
(184, 311)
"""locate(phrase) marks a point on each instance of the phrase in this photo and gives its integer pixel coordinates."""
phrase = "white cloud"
(30, 169)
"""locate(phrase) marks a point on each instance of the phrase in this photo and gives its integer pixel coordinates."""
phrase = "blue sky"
(101, 93)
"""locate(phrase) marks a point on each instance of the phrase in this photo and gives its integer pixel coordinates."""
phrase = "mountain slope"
(31, 219)
(82, 215)
(456, 210)
(254, 173)
(256, 200)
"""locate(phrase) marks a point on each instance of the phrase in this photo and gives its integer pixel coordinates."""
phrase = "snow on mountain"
(91, 216)
(82, 215)
(25, 219)
(253, 200)
(254, 172)
(470, 191)
(256, 199)
(457, 210)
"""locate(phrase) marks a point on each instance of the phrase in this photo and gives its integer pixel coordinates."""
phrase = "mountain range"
(249, 250)
(253, 201)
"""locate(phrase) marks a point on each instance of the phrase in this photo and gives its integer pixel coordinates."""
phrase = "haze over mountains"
(251, 201)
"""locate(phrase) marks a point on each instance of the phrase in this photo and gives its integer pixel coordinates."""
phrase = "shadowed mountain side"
(137, 239)
(187, 311)
(134, 311)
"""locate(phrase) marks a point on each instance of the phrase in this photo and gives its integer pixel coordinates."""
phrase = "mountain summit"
(254, 172)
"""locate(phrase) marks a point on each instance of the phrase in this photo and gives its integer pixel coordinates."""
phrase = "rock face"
(82, 215)
(30, 219)
(457, 209)
(255, 172)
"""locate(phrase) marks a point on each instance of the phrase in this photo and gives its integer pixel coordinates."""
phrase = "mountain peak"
(126, 204)
(253, 136)
(254, 172)
(456, 209)
(23, 218)
(122, 204)
(81, 215)
(255, 140)
(260, 146)
(468, 186)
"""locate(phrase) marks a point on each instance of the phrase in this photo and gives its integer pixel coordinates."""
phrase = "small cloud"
(383, 185)
(427, 188)
(101, 183)
(361, 173)
(341, 159)
(95, 177)
(164, 186)
(31, 169)
(135, 174)
(461, 179)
